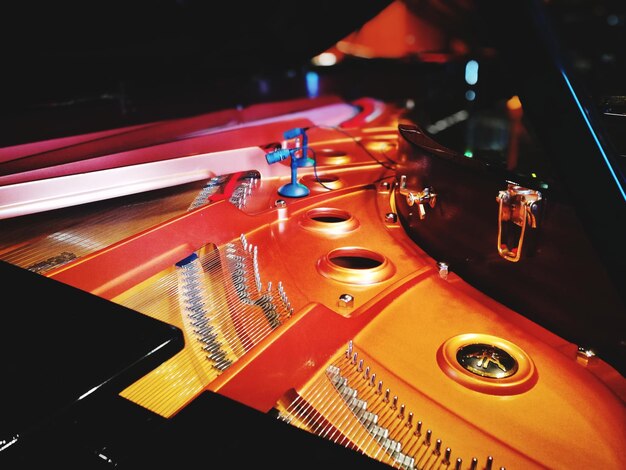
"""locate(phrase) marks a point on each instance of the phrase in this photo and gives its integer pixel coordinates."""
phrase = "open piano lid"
(573, 92)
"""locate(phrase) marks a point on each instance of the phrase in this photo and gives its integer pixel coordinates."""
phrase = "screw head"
(391, 217)
(345, 300)
(585, 356)
(444, 269)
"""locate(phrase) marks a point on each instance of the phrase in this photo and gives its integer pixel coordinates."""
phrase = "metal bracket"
(426, 195)
(519, 206)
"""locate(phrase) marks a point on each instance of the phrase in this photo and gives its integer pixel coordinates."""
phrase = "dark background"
(74, 66)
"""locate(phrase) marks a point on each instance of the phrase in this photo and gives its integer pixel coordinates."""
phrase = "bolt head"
(346, 301)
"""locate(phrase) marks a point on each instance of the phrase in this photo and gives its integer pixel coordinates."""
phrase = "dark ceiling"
(57, 45)
(74, 66)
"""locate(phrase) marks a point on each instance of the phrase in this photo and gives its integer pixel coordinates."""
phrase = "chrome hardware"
(444, 269)
(585, 356)
(437, 450)
(391, 217)
(421, 197)
(346, 301)
(520, 206)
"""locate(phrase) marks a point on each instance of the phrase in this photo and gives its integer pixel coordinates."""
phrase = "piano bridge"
(350, 405)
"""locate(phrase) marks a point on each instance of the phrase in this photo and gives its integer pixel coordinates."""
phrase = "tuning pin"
(429, 434)
(437, 450)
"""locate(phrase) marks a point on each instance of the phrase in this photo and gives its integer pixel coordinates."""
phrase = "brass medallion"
(487, 361)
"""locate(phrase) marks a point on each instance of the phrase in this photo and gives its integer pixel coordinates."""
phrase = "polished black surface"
(558, 280)
(564, 63)
(214, 428)
(63, 349)
(210, 430)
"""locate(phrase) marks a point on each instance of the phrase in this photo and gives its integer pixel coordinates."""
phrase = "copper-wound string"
(325, 400)
(303, 409)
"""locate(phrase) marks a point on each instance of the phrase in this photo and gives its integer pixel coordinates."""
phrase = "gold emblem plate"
(487, 360)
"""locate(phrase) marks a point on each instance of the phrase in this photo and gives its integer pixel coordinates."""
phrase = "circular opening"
(329, 216)
(331, 157)
(329, 220)
(325, 179)
(356, 265)
(330, 153)
(355, 262)
(384, 147)
(322, 182)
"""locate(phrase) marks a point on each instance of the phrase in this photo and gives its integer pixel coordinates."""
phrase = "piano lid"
(63, 347)
(567, 61)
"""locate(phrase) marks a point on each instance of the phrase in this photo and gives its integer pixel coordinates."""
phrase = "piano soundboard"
(317, 310)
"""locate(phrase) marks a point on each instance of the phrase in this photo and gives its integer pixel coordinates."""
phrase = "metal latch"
(421, 197)
(518, 210)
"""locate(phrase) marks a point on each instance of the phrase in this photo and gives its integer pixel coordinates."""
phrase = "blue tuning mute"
(295, 132)
(277, 155)
(292, 189)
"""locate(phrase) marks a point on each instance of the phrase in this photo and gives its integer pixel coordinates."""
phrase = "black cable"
(317, 178)
(390, 164)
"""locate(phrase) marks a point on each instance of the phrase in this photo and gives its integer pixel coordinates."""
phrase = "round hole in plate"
(330, 153)
(383, 147)
(331, 157)
(356, 261)
(356, 265)
(322, 182)
(329, 216)
(326, 179)
(329, 220)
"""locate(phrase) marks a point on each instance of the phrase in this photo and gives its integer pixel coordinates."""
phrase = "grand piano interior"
(335, 234)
